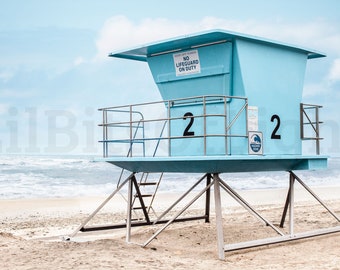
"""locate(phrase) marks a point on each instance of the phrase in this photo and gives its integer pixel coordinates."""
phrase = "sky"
(55, 73)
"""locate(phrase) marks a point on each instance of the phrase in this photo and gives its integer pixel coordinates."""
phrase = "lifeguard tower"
(231, 103)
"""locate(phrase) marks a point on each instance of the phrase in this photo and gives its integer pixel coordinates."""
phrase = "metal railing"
(309, 117)
(131, 124)
(142, 121)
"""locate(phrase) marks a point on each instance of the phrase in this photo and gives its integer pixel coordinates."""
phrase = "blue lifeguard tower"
(231, 103)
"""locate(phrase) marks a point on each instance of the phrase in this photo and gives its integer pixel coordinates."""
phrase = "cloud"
(334, 73)
(79, 60)
(50, 48)
(119, 32)
(3, 108)
(5, 76)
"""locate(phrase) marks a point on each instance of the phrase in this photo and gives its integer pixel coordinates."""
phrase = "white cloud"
(3, 108)
(313, 89)
(119, 32)
(78, 61)
(16, 93)
(334, 74)
(5, 76)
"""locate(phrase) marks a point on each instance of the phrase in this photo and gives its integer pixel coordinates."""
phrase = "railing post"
(204, 127)
(317, 130)
(105, 144)
(301, 121)
(169, 128)
(143, 129)
(130, 130)
(246, 104)
(225, 126)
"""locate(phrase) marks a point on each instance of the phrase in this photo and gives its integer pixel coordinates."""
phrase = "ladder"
(144, 196)
(145, 190)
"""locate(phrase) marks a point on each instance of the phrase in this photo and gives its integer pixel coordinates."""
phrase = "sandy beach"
(31, 233)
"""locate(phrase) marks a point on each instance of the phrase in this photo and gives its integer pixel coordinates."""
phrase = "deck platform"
(218, 164)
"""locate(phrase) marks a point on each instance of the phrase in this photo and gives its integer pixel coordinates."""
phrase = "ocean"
(74, 176)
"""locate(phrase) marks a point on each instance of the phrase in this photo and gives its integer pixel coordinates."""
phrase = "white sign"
(253, 118)
(187, 63)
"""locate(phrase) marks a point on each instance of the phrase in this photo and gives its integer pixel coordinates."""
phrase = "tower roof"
(205, 38)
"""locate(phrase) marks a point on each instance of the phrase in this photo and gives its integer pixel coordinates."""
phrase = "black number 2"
(186, 131)
(274, 135)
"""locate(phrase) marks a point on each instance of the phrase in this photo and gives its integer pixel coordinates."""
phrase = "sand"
(31, 235)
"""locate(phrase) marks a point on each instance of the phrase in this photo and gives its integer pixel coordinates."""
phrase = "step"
(139, 208)
(136, 220)
(148, 183)
(144, 195)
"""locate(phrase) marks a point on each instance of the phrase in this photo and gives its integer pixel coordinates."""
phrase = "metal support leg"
(285, 209)
(129, 212)
(207, 200)
(291, 205)
(219, 222)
